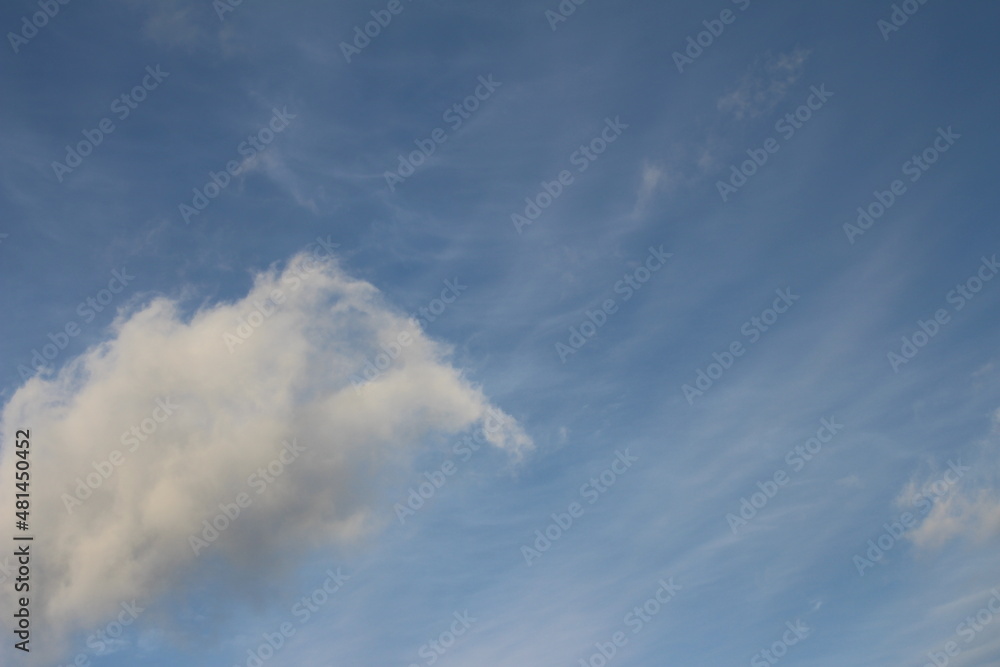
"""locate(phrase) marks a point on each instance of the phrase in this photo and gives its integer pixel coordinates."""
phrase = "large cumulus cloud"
(245, 385)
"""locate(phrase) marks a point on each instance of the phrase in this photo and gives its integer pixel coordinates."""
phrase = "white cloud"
(653, 178)
(290, 379)
(765, 85)
(973, 516)
(174, 24)
(969, 509)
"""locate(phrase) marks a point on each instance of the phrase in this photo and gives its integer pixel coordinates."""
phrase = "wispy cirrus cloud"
(765, 84)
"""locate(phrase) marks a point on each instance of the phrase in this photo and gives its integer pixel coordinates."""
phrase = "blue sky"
(642, 236)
